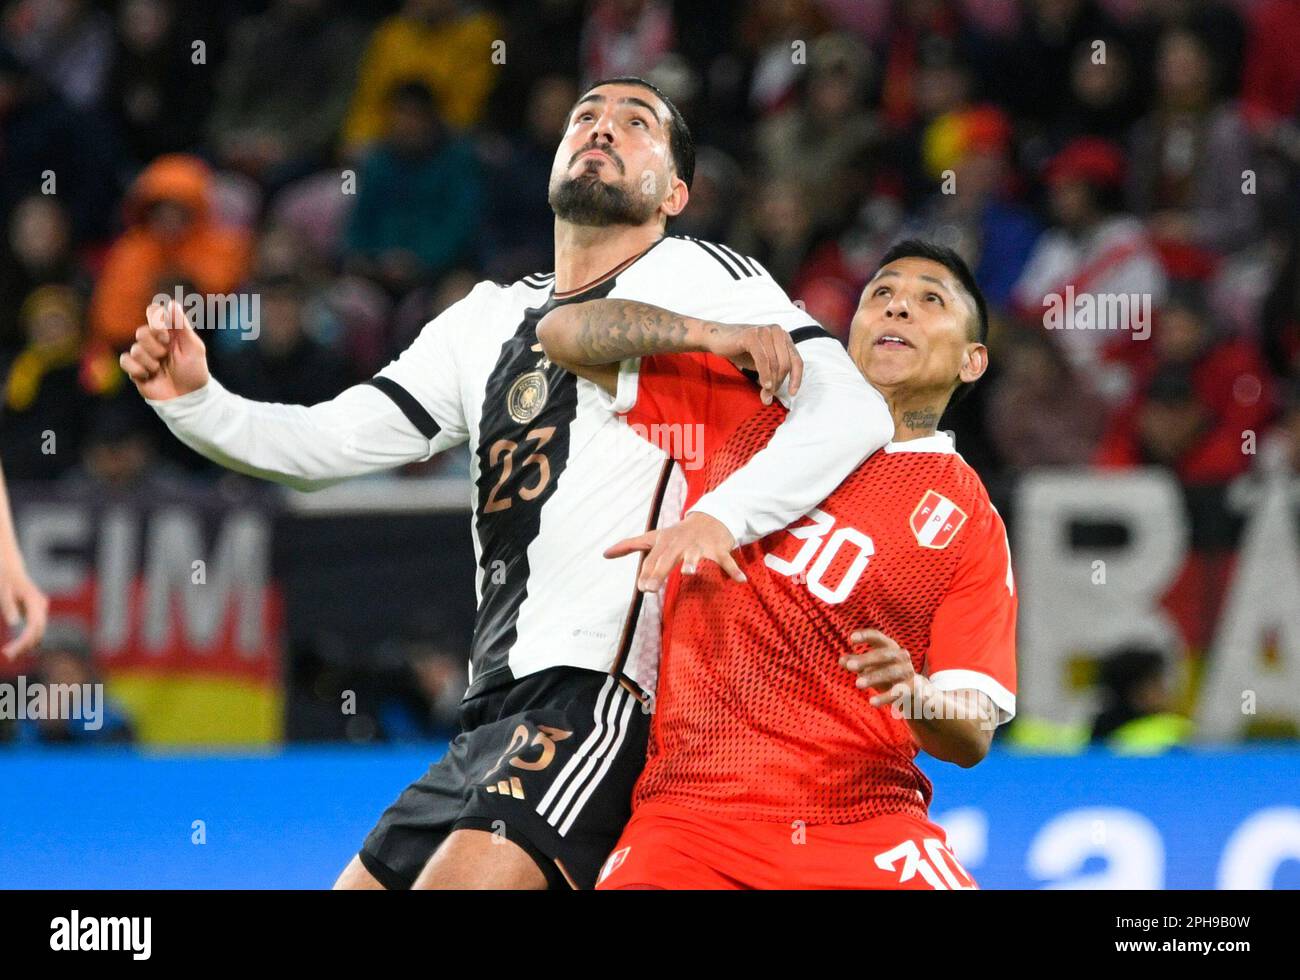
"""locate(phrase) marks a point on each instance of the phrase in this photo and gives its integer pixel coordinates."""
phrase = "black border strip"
(717, 257)
(411, 408)
(634, 610)
(810, 332)
(743, 260)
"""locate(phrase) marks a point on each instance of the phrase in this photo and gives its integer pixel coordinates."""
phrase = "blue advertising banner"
(293, 818)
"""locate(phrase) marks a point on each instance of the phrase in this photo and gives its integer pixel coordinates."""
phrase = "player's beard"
(588, 200)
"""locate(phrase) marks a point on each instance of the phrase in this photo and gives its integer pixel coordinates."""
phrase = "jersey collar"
(606, 277)
(940, 442)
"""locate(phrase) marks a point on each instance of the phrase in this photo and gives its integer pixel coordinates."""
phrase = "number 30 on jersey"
(820, 552)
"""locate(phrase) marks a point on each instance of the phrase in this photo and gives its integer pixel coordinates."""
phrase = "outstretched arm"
(364, 430)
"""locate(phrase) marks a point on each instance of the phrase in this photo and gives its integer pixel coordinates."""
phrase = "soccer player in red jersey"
(791, 706)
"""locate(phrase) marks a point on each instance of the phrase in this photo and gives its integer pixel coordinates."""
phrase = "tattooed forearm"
(612, 329)
(602, 331)
(923, 420)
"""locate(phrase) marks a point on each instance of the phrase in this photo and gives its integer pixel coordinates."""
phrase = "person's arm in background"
(408, 412)
(809, 455)
(19, 596)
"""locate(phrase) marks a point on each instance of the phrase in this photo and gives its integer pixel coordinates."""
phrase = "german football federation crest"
(936, 520)
(527, 396)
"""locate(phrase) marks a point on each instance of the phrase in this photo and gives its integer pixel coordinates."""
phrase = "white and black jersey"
(557, 474)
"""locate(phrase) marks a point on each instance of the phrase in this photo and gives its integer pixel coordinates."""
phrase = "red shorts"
(668, 846)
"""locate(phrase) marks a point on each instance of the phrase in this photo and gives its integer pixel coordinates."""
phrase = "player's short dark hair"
(680, 141)
(916, 248)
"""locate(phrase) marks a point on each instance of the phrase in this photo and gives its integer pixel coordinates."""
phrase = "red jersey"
(754, 716)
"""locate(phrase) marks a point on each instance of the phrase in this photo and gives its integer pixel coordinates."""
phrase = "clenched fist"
(167, 359)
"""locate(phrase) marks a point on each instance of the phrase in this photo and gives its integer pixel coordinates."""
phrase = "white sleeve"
(411, 410)
(835, 422)
(361, 431)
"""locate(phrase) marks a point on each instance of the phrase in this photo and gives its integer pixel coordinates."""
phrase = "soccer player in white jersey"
(536, 788)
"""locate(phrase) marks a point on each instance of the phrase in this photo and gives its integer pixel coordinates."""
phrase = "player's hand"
(20, 599)
(766, 349)
(697, 538)
(167, 359)
(886, 667)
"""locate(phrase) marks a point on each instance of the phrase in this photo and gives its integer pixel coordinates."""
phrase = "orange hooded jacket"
(214, 259)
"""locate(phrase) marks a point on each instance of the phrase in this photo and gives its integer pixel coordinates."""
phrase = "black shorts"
(548, 761)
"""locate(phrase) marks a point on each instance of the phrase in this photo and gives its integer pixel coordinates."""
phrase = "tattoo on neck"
(924, 419)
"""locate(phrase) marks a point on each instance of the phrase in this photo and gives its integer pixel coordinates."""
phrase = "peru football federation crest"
(936, 520)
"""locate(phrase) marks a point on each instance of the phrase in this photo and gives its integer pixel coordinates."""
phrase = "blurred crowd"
(356, 167)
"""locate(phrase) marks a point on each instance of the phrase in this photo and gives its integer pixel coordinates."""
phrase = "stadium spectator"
(284, 91)
(1197, 396)
(822, 141)
(65, 659)
(1218, 21)
(976, 211)
(47, 405)
(68, 45)
(47, 147)
(943, 87)
(1103, 100)
(1270, 89)
(419, 197)
(1091, 247)
(37, 251)
(284, 364)
(156, 93)
(716, 193)
(1136, 717)
(625, 37)
(777, 229)
(1043, 54)
(926, 43)
(1270, 83)
(438, 42)
(119, 456)
(519, 227)
(170, 231)
(1190, 154)
(423, 304)
(425, 677)
(1041, 411)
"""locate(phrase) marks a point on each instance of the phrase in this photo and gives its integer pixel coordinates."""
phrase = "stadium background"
(344, 171)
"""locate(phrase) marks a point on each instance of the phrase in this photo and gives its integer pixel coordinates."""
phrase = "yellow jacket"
(453, 58)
